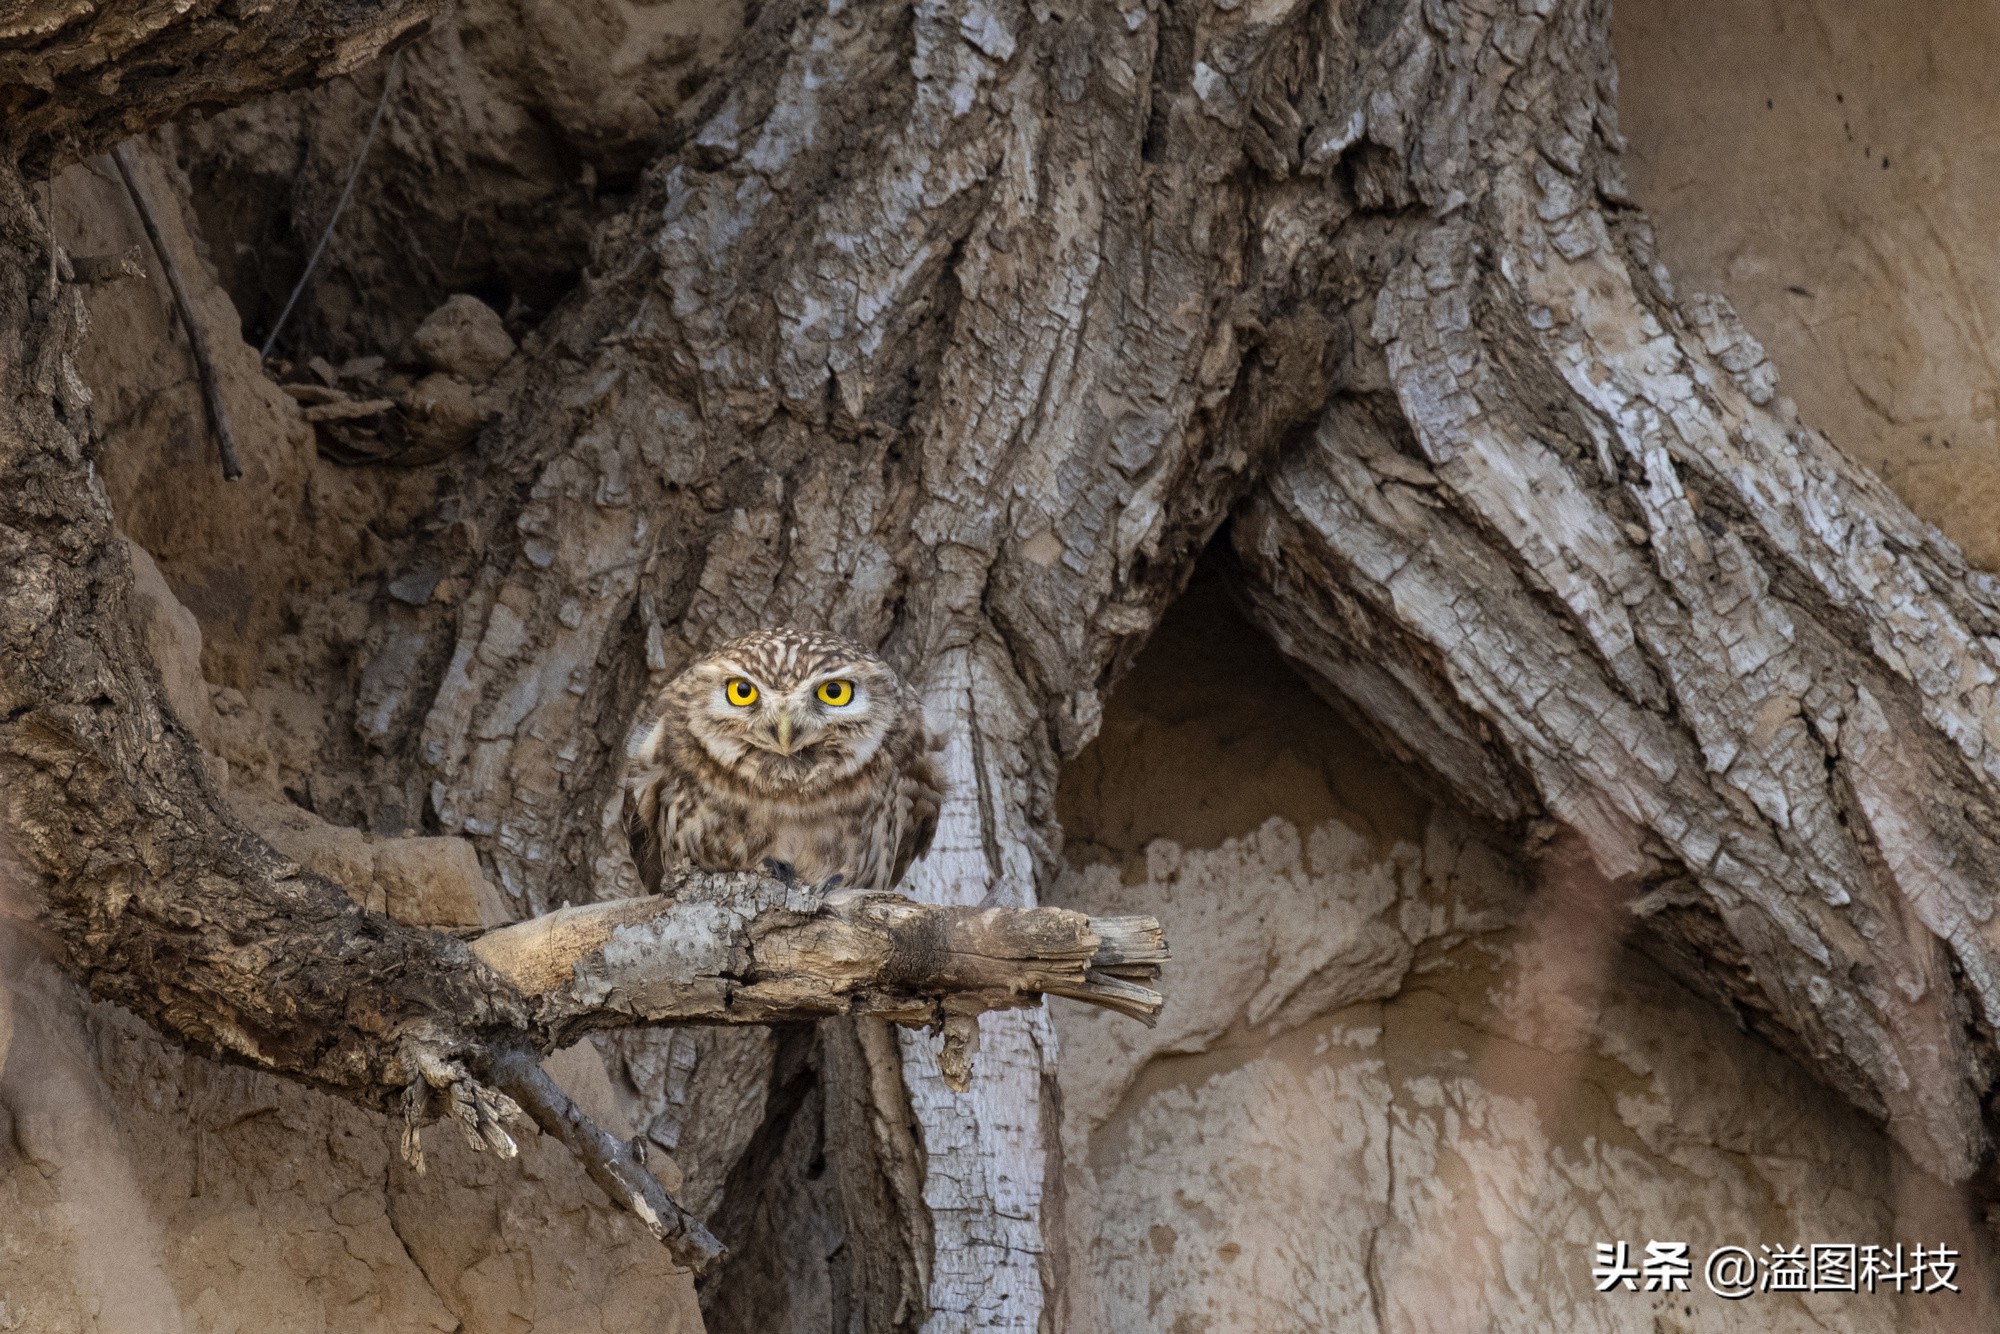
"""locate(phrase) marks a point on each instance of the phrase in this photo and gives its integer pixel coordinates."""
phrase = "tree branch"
(204, 361)
(612, 1163)
(76, 79)
(741, 948)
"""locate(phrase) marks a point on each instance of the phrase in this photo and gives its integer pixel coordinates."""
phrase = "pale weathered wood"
(747, 949)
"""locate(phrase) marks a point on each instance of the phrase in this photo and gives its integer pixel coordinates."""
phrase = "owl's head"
(789, 710)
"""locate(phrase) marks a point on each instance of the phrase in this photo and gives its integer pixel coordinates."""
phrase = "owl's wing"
(923, 788)
(647, 854)
(646, 796)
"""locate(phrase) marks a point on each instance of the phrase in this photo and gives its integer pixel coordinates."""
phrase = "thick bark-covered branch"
(76, 78)
(153, 894)
(745, 949)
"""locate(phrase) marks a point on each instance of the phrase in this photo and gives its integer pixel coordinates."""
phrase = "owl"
(791, 746)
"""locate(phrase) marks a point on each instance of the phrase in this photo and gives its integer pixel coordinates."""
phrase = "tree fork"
(153, 894)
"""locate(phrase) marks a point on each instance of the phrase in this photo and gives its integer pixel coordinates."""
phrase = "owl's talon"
(781, 872)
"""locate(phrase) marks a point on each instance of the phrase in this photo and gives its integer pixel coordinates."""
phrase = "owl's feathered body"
(785, 745)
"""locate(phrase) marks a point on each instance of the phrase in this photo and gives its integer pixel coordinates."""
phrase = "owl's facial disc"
(791, 729)
(797, 719)
(743, 715)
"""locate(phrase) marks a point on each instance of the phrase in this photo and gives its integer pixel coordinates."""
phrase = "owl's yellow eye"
(836, 693)
(740, 692)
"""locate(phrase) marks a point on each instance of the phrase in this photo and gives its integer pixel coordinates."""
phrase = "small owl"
(791, 746)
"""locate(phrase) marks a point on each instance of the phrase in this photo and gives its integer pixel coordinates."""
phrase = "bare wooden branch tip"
(1129, 940)
(610, 1162)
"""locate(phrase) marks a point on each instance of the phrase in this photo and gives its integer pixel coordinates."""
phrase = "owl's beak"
(785, 733)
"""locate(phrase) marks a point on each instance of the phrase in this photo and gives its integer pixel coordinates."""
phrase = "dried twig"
(204, 364)
(346, 193)
(611, 1162)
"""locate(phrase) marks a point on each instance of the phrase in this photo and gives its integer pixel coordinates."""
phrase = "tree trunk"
(963, 329)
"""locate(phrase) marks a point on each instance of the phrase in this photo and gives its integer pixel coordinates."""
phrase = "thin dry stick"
(346, 193)
(611, 1162)
(204, 365)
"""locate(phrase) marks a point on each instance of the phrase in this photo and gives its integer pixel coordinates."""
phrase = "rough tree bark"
(963, 328)
(1559, 540)
(76, 78)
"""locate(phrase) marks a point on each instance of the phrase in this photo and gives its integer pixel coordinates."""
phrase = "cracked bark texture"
(801, 393)
(154, 894)
(961, 329)
(76, 78)
(1559, 540)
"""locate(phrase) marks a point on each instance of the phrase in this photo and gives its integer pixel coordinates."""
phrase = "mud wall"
(1399, 1083)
